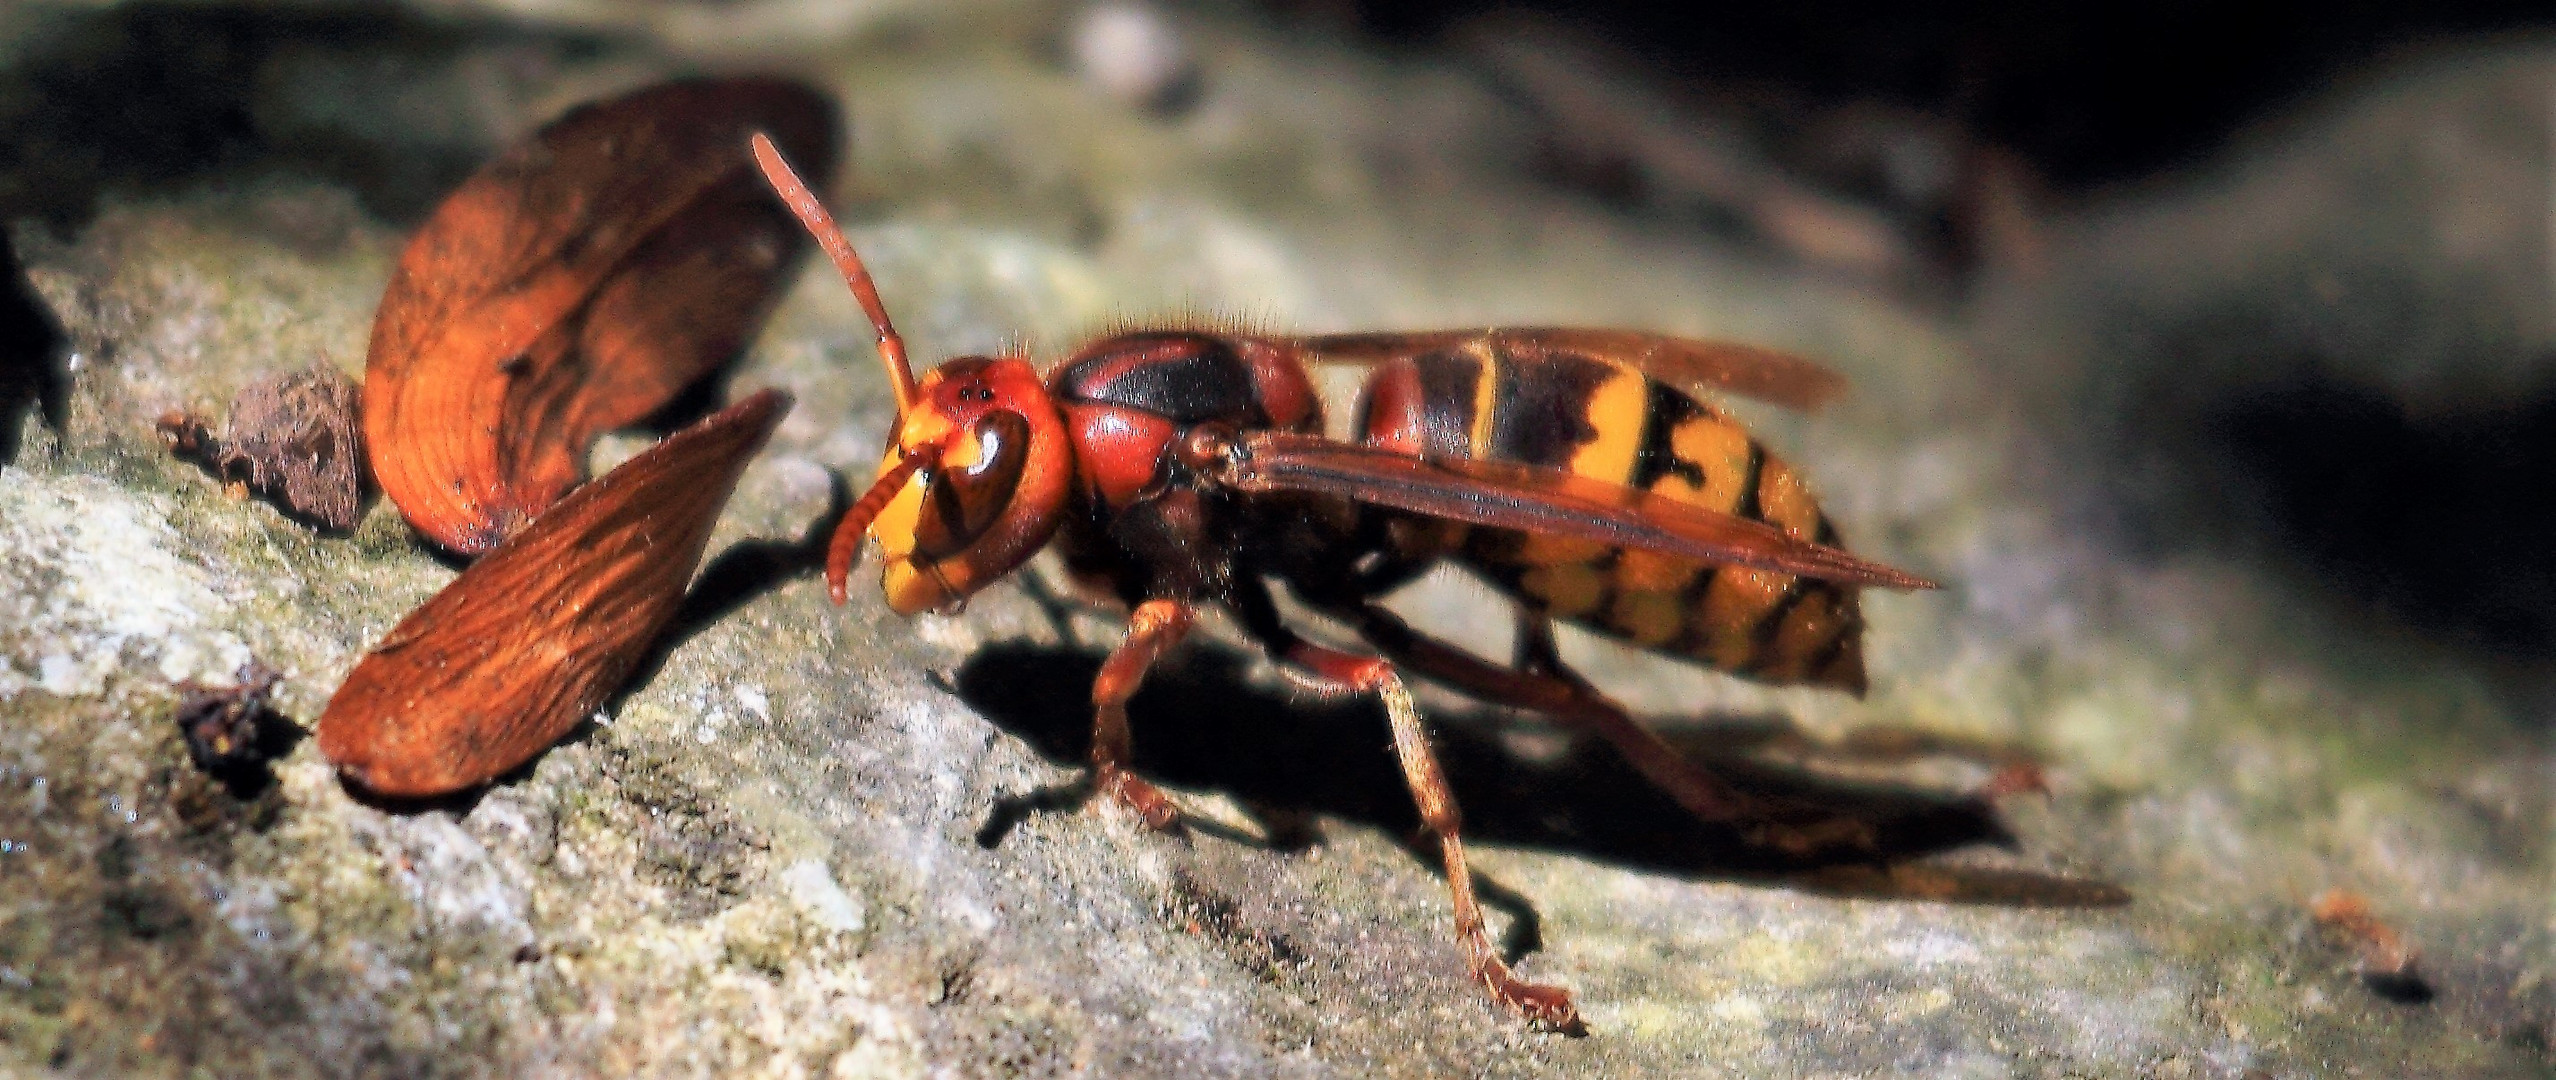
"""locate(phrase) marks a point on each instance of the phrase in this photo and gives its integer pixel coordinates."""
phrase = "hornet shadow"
(1200, 724)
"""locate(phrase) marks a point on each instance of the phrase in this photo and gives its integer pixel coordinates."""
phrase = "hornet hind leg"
(1541, 683)
(1337, 672)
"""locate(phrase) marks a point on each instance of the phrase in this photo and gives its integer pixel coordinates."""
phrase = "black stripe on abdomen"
(1449, 384)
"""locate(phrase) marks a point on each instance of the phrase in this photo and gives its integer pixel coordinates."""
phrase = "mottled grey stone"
(786, 851)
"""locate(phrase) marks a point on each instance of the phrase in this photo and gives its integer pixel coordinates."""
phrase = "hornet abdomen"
(1506, 400)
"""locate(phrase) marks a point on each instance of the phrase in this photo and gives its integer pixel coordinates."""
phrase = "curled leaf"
(538, 633)
(295, 439)
(575, 285)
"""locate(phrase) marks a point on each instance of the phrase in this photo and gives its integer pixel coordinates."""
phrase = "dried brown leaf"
(538, 633)
(296, 439)
(575, 285)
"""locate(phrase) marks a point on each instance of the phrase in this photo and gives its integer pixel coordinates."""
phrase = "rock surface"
(821, 841)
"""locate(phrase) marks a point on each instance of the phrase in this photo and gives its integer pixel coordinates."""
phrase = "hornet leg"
(1545, 686)
(1152, 629)
(1339, 672)
(1548, 1004)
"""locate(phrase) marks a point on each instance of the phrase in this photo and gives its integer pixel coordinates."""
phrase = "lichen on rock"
(812, 840)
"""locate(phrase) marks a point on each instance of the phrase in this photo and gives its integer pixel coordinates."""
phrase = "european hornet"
(1178, 467)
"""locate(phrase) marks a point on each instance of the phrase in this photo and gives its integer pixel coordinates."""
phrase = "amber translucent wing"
(1729, 367)
(1547, 502)
(575, 285)
(538, 633)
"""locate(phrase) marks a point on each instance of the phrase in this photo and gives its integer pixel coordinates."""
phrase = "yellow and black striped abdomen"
(1491, 399)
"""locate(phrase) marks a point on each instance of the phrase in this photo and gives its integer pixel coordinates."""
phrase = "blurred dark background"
(1917, 148)
(2091, 93)
(1925, 146)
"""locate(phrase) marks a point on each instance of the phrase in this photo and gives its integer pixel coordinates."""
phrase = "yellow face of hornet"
(991, 497)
